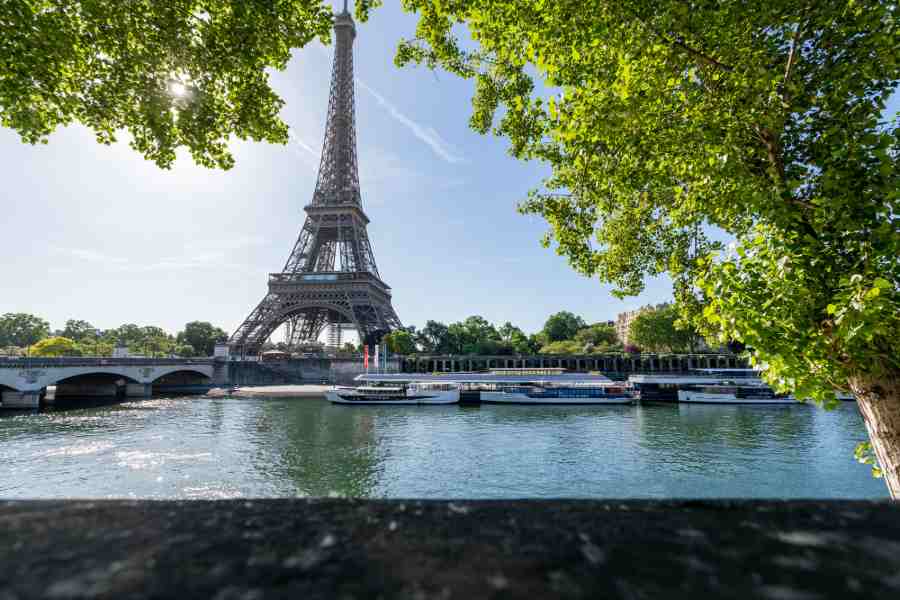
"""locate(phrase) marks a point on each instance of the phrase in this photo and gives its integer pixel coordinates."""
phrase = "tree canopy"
(19, 331)
(202, 337)
(400, 342)
(22, 329)
(655, 330)
(661, 118)
(55, 347)
(174, 74)
(562, 326)
(598, 337)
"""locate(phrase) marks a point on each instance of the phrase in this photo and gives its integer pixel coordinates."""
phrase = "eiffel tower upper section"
(338, 182)
(334, 236)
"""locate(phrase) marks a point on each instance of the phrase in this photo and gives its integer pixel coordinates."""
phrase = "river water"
(226, 448)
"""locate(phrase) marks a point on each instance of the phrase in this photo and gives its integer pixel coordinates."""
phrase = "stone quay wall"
(403, 549)
(298, 371)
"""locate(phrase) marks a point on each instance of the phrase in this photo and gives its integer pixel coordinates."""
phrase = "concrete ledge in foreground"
(347, 549)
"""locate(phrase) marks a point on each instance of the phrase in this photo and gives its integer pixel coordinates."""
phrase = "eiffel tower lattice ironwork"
(330, 277)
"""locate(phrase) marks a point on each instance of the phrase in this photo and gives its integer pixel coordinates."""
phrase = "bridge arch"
(162, 373)
(75, 375)
(94, 375)
(181, 381)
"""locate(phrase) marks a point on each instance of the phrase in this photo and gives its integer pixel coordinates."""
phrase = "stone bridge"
(23, 381)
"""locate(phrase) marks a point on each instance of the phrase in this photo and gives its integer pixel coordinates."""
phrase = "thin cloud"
(238, 242)
(308, 156)
(426, 134)
(293, 135)
(88, 255)
(216, 255)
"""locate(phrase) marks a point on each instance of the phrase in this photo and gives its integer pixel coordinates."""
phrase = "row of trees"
(654, 330)
(22, 333)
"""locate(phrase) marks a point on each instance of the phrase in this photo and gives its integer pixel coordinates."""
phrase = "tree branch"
(679, 43)
(792, 55)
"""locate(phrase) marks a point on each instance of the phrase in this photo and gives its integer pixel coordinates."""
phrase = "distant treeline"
(653, 330)
(22, 333)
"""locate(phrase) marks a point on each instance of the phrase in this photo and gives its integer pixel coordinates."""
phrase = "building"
(624, 320)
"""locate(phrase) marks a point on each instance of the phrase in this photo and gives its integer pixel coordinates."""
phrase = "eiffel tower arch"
(330, 277)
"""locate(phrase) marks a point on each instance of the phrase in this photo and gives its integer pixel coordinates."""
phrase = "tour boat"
(547, 393)
(664, 387)
(404, 393)
(731, 393)
(520, 386)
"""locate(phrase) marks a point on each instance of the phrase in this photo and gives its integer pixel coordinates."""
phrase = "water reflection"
(221, 448)
(323, 450)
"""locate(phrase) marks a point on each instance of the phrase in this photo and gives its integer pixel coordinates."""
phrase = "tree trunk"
(879, 402)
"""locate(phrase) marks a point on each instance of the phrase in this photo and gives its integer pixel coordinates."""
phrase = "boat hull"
(520, 398)
(690, 397)
(345, 398)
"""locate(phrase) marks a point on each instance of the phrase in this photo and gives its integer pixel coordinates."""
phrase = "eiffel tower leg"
(246, 337)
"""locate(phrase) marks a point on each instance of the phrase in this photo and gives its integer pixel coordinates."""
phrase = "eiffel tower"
(330, 278)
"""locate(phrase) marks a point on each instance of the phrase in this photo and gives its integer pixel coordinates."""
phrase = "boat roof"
(379, 388)
(708, 378)
(462, 378)
(741, 371)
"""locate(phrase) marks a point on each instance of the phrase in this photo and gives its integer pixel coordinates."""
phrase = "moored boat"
(402, 393)
(544, 393)
(730, 393)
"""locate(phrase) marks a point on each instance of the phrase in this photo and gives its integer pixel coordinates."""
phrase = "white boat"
(405, 393)
(544, 393)
(731, 393)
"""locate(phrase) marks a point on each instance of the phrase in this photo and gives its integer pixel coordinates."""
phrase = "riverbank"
(271, 391)
(439, 549)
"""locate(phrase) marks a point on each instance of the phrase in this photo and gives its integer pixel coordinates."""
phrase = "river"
(267, 447)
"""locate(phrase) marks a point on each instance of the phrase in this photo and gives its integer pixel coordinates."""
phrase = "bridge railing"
(86, 361)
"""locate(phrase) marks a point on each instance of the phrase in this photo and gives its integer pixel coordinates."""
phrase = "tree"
(655, 330)
(79, 330)
(763, 119)
(475, 335)
(514, 338)
(563, 347)
(536, 341)
(400, 342)
(599, 337)
(184, 350)
(201, 336)
(130, 335)
(95, 347)
(179, 73)
(562, 326)
(156, 341)
(22, 329)
(434, 338)
(54, 347)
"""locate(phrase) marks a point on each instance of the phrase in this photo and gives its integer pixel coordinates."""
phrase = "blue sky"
(98, 233)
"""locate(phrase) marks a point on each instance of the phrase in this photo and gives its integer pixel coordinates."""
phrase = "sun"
(178, 89)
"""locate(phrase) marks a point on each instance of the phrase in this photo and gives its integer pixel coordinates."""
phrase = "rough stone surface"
(237, 549)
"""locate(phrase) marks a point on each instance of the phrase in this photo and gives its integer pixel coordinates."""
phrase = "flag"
(377, 362)
(366, 357)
